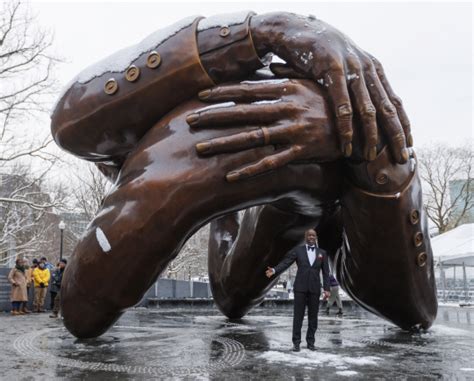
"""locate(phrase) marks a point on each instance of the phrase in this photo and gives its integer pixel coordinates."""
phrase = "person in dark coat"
(311, 260)
(57, 278)
(53, 288)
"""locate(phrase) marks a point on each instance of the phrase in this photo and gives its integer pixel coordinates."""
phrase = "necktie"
(311, 248)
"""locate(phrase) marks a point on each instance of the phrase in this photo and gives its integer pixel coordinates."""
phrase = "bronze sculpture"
(132, 120)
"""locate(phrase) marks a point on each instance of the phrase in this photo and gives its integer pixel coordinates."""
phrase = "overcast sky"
(426, 48)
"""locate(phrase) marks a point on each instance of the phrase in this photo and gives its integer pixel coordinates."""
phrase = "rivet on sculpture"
(191, 131)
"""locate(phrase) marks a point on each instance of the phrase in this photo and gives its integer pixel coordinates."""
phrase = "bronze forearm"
(387, 264)
(103, 114)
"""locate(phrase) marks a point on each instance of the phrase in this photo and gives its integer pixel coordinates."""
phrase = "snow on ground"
(317, 358)
(347, 373)
(443, 330)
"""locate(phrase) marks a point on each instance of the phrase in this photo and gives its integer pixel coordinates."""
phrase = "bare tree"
(25, 223)
(26, 86)
(448, 184)
(25, 75)
(90, 187)
(192, 259)
(84, 189)
(27, 201)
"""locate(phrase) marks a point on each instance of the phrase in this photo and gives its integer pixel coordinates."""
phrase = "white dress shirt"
(311, 254)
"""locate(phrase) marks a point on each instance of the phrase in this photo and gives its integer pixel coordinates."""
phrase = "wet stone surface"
(202, 344)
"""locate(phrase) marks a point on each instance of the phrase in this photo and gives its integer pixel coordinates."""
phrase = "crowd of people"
(42, 276)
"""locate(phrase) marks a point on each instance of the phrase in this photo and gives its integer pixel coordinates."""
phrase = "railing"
(455, 295)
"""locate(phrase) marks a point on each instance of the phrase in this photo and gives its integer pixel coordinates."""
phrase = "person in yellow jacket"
(41, 277)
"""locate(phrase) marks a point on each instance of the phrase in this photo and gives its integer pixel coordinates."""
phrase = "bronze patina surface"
(329, 151)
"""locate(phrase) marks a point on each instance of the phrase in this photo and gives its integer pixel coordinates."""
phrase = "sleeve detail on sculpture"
(102, 120)
(121, 60)
(387, 255)
(221, 37)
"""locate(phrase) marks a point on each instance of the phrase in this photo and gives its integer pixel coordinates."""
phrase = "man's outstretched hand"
(354, 80)
(269, 272)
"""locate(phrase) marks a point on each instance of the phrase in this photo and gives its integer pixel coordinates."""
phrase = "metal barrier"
(162, 289)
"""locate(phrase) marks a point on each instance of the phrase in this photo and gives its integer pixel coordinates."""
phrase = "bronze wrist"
(227, 51)
(382, 175)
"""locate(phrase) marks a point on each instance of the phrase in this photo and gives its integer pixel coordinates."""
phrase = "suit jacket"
(307, 278)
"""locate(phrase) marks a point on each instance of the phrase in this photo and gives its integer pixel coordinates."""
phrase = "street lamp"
(61, 227)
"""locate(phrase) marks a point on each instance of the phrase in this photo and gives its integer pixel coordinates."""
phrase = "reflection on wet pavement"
(201, 343)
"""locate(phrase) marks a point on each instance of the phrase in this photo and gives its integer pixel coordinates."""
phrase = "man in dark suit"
(310, 260)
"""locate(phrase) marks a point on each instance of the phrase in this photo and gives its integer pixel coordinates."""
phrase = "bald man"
(311, 260)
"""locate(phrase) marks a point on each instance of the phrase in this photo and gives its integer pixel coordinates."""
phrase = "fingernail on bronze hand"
(192, 119)
(232, 176)
(347, 149)
(203, 147)
(204, 94)
(404, 155)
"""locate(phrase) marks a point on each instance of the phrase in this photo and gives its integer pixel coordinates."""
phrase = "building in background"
(462, 194)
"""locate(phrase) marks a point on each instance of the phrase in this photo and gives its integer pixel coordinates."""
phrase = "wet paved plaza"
(200, 343)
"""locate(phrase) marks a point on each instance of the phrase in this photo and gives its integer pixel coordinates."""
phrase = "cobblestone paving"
(202, 344)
